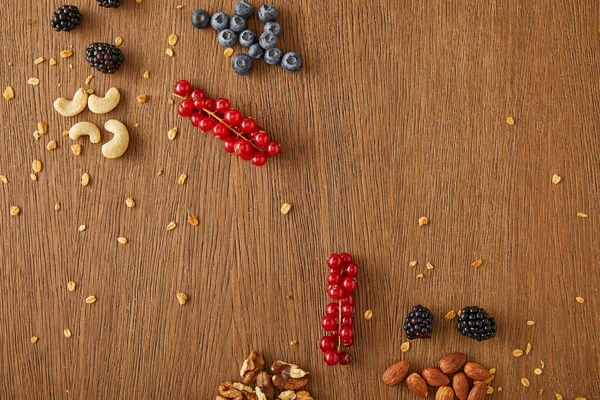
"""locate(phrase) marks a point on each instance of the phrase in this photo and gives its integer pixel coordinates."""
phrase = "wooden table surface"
(400, 112)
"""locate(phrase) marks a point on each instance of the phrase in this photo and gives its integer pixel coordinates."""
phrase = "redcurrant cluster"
(240, 135)
(338, 317)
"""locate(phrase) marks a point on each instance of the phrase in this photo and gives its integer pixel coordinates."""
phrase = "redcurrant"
(327, 343)
(334, 261)
(347, 320)
(347, 309)
(334, 278)
(261, 138)
(331, 357)
(328, 323)
(349, 284)
(199, 103)
(332, 310)
(259, 159)
(206, 124)
(220, 130)
(348, 342)
(344, 358)
(245, 156)
(273, 148)
(197, 94)
(346, 333)
(347, 299)
(210, 105)
(195, 118)
(351, 269)
(242, 147)
(186, 108)
(229, 143)
(346, 258)
(248, 125)
(233, 117)
(335, 292)
(222, 105)
(182, 88)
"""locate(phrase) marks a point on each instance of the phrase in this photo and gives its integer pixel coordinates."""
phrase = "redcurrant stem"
(238, 134)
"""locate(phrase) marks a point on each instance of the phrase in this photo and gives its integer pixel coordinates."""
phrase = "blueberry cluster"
(235, 30)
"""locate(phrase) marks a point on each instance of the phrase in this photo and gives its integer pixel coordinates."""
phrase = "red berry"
(332, 310)
(347, 299)
(199, 103)
(327, 343)
(245, 156)
(346, 333)
(347, 309)
(334, 335)
(346, 258)
(334, 278)
(349, 284)
(206, 124)
(259, 159)
(183, 88)
(222, 105)
(347, 320)
(331, 357)
(233, 117)
(328, 323)
(344, 358)
(210, 105)
(348, 342)
(248, 125)
(228, 144)
(335, 292)
(261, 138)
(195, 118)
(273, 148)
(243, 148)
(197, 94)
(334, 261)
(351, 269)
(220, 130)
(186, 108)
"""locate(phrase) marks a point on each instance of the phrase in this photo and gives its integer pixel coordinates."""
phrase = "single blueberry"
(219, 21)
(267, 13)
(267, 40)
(248, 38)
(273, 27)
(227, 38)
(242, 64)
(243, 8)
(200, 19)
(255, 51)
(237, 23)
(273, 56)
(291, 62)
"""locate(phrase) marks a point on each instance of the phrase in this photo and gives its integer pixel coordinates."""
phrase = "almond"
(417, 385)
(452, 362)
(476, 372)
(444, 393)
(478, 392)
(396, 373)
(460, 384)
(435, 377)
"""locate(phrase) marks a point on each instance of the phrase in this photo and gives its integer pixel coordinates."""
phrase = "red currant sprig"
(338, 317)
(240, 135)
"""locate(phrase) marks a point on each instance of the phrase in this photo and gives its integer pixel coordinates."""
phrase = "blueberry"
(273, 27)
(267, 40)
(227, 38)
(237, 23)
(200, 19)
(219, 21)
(273, 56)
(267, 13)
(248, 38)
(242, 64)
(291, 62)
(255, 51)
(243, 8)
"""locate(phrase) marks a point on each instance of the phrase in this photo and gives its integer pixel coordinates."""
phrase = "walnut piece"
(288, 376)
(303, 396)
(228, 391)
(253, 365)
(266, 387)
(287, 395)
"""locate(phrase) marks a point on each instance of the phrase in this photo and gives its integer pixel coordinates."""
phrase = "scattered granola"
(556, 179)
(525, 382)
(429, 266)
(66, 53)
(67, 333)
(36, 166)
(582, 215)
(82, 228)
(71, 286)
(510, 120)
(33, 81)
(517, 352)
(52, 62)
(33, 176)
(182, 178)
(34, 339)
(182, 298)
(412, 263)
(477, 263)
(85, 179)
(76, 149)
(14, 211)
(172, 225)
(172, 134)
(90, 299)
(173, 39)
(404, 347)
(228, 52)
(39, 60)
(4, 179)
(530, 323)
(580, 300)
(169, 52)
(450, 315)
(423, 221)
(193, 220)
(537, 371)
(9, 93)
(122, 240)
(368, 314)
(130, 202)
(285, 208)
(51, 145)
(528, 348)
(142, 98)
(118, 41)
(146, 75)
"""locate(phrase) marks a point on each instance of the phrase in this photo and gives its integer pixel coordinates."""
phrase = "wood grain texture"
(399, 113)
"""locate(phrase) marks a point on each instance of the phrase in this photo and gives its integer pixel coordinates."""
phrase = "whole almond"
(444, 393)
(435, 377)
(478, 392)
(396, 373)
(460, 384)
(453, 362)
(476, 372)
(417, 385)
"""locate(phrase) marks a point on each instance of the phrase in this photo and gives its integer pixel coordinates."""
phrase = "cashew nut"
(85, 129)
(117, 146)
(103, 105)
(70, 108)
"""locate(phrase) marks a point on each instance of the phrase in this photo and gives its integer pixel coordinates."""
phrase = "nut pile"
(284, 383)
(454, 377)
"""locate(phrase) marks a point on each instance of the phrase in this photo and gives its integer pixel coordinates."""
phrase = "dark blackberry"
(109, 3)
(105, 57)
(419, 323)
(66, 18)
(475, 323)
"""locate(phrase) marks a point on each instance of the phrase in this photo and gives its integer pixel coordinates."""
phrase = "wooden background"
(399, 113)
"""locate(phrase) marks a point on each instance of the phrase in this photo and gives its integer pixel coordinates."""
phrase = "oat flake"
(182, 298)
(517, 352)
(172, 225)
(4, 179)
(52, 62)
(66, 53)
(429, 266)
(173, 39)
(405, 347)
(9, 93)
(36, 166)
(172, 134)
(420, 276)
(477, 263)
(450, 315)
(368, 314)
(146, 75)
(67, 333)
(34, 339)
(51, 145)
(525, 382)
(33, 81)
(412, 263)
(558, 396)
(118, 41)
(33, 176)
(285, 208)
(181, 180)
(142, 98)
(39, 60)
(528, 348)
(556, 179)
(85, 179)
(537, 371)
(71, 286)
(169, 52)
(580, 300)
(490, 390)
(193, 220)
(582, 215)
(510, 120)
(130, 202)
(90, 299)
(14, 211)
(530, 323)
(423, 221)
(122, 240)
(76, 149)
(228, 52)
(82, 228)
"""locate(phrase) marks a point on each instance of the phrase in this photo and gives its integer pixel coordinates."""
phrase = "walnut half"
(253, 365)
(288, 376)
(291, 395)
(265, 386)
(237, 391)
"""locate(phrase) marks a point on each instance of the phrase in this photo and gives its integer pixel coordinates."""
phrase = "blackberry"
(419, 323)
(475, 323)
(109, 3)
(66, 18)
(105, 57)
